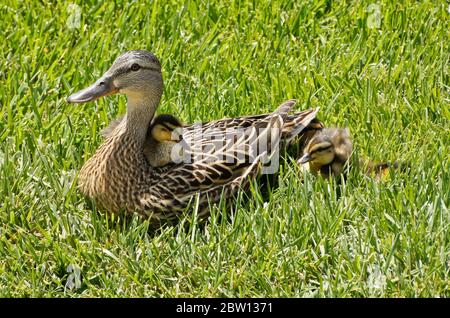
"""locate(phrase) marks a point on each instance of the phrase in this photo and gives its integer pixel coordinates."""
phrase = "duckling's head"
(166, 128)
(319, 151)
(135, 73)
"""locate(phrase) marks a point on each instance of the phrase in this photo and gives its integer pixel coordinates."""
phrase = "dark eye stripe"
(146, 68)
(124, 70)
(321, 149)
(121, 70)
(166, 126)
(151, 69)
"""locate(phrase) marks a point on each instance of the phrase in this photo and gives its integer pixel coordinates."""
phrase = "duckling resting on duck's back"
(162, 145)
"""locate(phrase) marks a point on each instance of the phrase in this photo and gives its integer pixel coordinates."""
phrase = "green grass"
(390, 85)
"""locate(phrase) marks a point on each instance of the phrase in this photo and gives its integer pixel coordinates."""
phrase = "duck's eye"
(135, 67)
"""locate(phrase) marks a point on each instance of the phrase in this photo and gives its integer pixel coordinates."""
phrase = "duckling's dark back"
(168, 121)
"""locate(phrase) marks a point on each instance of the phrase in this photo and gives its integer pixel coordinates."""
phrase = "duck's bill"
(304, 159)
(101, 88)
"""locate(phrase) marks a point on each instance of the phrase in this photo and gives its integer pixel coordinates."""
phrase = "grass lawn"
(381, 69)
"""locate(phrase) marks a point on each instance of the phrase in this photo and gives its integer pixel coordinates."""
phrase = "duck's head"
(166, 128)
(135, 73)
(319, 151)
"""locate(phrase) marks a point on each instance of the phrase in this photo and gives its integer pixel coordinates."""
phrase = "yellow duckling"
(379, 170)
(160, 147)
(327, 152)
(162, 143)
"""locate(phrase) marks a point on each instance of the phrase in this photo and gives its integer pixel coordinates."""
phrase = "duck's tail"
(285, 108)
(300, 124)
(269, 132)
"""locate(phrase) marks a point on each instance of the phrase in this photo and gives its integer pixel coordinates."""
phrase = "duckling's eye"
(135, 67)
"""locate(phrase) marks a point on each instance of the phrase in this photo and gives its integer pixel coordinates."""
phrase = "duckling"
(380, 170)
(327, 152)
(164, 135)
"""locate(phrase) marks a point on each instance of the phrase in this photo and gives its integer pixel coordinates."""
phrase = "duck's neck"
(140, 111)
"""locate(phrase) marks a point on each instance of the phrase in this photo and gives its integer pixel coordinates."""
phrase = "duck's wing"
(221, 140)
(293, 124)
(221, 162)
(169, 205)
(215, 156)
(300, 124)
(297, 129)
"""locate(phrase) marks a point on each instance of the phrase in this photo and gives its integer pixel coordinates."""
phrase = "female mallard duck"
(162, 145)
(329, 150)
(118, 177)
